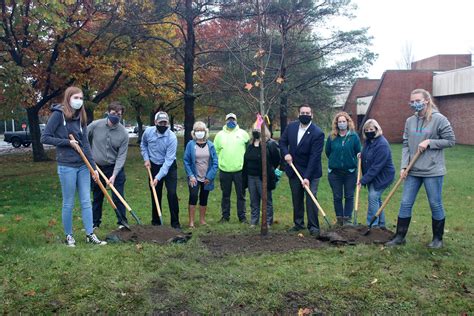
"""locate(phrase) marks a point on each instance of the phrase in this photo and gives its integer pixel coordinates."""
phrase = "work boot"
(438, 230)
(339, 221)
(192, 211)
(202, 215)
(346, 221)
(402, 229)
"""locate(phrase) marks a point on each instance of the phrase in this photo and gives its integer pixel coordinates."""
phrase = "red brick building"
(388, 104)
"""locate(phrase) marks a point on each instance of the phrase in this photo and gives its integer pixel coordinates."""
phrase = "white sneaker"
(120, 227)
(92, 239)
(70, 242)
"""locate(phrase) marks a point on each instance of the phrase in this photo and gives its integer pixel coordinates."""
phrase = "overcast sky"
(432, 27)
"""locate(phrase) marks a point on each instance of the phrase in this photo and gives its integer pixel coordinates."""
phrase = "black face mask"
(370, 135)
(256, 135)
(161, 129)
(304, 119)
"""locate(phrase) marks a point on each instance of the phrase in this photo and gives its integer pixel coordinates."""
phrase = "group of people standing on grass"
(238, 159)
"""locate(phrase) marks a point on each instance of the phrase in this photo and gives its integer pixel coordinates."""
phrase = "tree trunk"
(90, 114)
(139, 122)
(263, 142)
(33, 121)
(189, 56)
(283, 112)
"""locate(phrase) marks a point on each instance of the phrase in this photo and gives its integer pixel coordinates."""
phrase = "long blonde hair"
(430, 106)
(335, 129)
(200, 124)
(68, 110)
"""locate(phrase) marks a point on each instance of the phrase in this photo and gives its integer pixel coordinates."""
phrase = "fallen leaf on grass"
(304, 311)
(3, 229)
(300, 235)
(374, 281)
(435, 276)
(18, 218)
(139, 246)
(30, 293)
(52, 222)
(460, 273)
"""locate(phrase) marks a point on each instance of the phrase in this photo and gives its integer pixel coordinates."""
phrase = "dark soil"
(283, 242)
(254, 243)
(155, 234)
(353, 235)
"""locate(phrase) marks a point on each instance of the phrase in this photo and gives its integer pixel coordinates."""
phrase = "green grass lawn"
(40, 274)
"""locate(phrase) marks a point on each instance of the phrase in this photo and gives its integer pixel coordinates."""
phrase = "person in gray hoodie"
(429, 132)
(69, 118)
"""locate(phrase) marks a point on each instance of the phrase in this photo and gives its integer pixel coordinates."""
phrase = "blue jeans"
(433, 187)
(375, 202)
(255, 192)
(343, 185)
(72, 178)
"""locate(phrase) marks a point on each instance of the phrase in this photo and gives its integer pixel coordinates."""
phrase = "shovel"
(389, 196)
(153, 189)
(311, 195)
(119, 196)
(99, 183)
(359, 175)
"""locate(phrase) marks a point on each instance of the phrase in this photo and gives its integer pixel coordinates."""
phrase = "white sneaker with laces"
(92, 239)
(70, 242)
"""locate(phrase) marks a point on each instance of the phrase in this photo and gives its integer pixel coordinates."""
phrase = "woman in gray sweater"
(429, 132)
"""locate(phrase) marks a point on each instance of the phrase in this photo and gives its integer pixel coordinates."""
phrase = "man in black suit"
(302, 143)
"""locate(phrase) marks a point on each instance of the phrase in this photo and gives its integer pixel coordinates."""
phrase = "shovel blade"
(135, 217)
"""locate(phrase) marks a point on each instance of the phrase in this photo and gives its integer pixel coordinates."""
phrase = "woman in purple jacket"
(377, 168)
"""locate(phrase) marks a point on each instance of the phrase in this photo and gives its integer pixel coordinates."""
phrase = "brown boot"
(192, 211)
(202, 215)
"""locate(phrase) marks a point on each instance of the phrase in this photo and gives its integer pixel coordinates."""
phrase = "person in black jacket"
(69, 118)
(302, 144)
(252, 174)
(377, 169)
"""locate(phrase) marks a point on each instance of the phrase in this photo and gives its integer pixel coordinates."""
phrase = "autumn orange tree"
(55, 44)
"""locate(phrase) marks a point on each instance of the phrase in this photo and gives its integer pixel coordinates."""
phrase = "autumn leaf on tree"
(259, 53)
(254, 73)
(280, 80)
(257, 83)
(248, 86)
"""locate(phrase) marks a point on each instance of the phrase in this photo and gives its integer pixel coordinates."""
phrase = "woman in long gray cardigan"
(429, 132)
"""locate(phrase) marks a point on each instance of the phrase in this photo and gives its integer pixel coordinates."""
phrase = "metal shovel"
(389, 196)
(99, 183)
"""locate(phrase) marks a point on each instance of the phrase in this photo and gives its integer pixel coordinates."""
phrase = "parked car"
(21, 137)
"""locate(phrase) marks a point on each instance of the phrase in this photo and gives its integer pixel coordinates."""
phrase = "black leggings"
(193, 194)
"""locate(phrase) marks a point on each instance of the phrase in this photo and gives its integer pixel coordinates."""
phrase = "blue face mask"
(114, 119)
(231, 124)
(342, 126)
(417, 106)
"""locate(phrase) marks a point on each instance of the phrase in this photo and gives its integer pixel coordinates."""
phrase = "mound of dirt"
(273, 242)
(353, 235)
(283, 242)
(155, 234)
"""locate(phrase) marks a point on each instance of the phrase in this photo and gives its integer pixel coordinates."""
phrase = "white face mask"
(200, 134)
(76, 104)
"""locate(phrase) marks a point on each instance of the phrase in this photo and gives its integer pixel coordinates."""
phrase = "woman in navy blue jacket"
(200, 163)
(377, 168)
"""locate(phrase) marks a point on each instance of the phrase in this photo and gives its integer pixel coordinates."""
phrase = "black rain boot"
(402, 229)
(438, 230)
(346, 221)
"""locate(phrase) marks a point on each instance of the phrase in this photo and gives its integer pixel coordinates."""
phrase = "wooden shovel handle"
(153, 189)
(308, 190)
(359, 176)
(120, 197)
(92, 171)
(395, 187)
